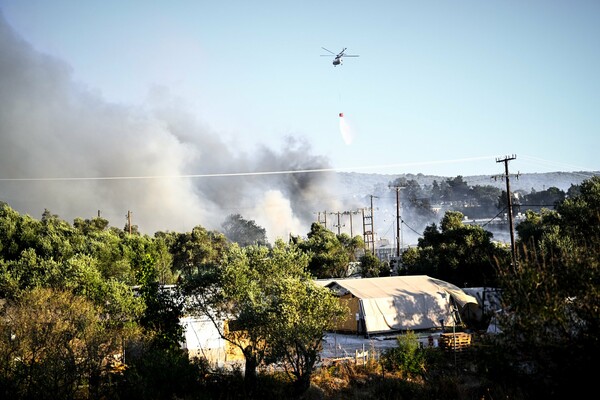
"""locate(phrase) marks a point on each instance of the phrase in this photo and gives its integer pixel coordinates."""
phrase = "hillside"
(368, 183)
(363, 184)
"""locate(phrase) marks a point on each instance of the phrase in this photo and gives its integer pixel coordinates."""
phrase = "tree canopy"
(275, 310)
(552, 296)
(464, 255)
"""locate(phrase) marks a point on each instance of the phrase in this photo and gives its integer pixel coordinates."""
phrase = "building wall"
(349, 322)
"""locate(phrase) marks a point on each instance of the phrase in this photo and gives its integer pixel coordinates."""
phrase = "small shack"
(399, 303)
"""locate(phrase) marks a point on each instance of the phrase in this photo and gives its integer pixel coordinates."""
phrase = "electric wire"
(582, 171)
(237, 174)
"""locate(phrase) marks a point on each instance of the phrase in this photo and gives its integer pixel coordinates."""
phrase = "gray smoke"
(55, 131)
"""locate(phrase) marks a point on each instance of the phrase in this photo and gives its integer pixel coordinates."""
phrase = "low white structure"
(400, 303)
(202, 339)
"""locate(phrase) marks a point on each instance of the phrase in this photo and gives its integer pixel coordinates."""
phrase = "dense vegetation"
(86, 313)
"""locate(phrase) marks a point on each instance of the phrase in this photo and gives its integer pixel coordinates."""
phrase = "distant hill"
(365, 184)
(368, 183)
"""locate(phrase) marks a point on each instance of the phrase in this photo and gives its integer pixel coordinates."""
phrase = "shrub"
(407, 359)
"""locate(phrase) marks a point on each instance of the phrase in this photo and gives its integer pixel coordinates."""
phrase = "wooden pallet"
(458, 341)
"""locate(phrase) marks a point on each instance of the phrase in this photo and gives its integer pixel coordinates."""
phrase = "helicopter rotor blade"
(328, 50)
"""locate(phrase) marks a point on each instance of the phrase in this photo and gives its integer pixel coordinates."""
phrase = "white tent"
(202, 339)
(399, 303)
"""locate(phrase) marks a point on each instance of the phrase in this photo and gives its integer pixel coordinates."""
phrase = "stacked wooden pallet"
(458, 341)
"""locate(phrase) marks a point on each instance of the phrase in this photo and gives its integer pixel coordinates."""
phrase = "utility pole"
(398, 220)
(505, 160)
(339, 225)
(129, 221)
(350, 213)
(324, 223)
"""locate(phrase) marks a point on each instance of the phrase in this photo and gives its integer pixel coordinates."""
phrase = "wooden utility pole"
(350, 213)
(324, 223)
(398, 220)
(339, 224)
(129, 221)
(505, 160)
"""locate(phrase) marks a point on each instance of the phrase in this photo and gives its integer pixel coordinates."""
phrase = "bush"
(407, 359)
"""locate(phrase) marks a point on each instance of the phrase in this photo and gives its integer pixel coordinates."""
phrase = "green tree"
(163, 308)
(457, 253)
(303, 311)
(51, 343)
(330, 254)
(552, 297)
(407, 358)
(416, 203)
(106, 246)
(354, 246)
(87, 226)
(193, 249)
(268, 299)
(546, 198)
(370, 265)
(456, 189)
(232, 290)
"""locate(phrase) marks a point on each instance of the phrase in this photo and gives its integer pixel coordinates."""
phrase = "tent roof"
(383, 287)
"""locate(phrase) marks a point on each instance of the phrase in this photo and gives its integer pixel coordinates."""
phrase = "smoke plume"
(65, 149)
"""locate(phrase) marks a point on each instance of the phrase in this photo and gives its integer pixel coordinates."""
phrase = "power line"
(410, 227)
(540, 161)
(233, 174)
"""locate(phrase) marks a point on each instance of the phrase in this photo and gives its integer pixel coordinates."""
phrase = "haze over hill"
(384, 202)
(518, 181)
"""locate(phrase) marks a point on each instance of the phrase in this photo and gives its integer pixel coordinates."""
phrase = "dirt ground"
(338, 345)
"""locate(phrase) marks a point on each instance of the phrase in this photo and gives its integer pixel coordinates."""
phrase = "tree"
(51, 342)
(244, 232)
(370, 265)
(303, 311)
(163, 308)
(437, 191)
(233, 290)
(193, 249)
(545, 198)
(457, 189)
(330, 254)
(273, 309)
(460, 254)
(486, 198)
(552, 296)
(96, 224)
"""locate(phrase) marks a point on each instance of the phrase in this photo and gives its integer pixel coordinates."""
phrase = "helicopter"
(338, 57)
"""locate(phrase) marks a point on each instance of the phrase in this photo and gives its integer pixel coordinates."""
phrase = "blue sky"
(146, 89)
(440, 87)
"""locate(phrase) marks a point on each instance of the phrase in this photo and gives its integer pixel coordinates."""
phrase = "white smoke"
(280, 217)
